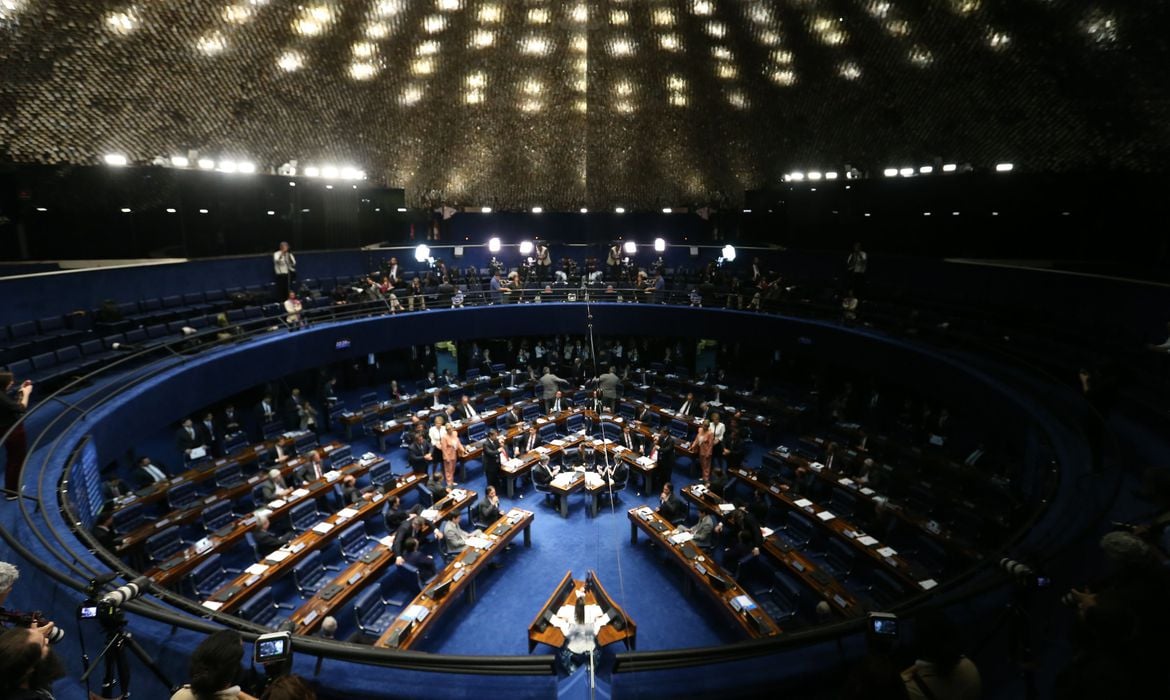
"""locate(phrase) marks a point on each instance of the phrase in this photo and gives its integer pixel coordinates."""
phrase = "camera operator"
(28, 666)
(215, 669)
(8, 576)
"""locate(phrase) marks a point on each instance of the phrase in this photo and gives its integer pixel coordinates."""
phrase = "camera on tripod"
(31, 619)
(107, 609)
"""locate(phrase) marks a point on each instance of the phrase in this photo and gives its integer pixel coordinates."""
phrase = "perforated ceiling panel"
(518, 103)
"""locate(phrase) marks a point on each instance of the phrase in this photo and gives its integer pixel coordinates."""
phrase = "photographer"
(28, 666)
(8, 576)
(215, 669)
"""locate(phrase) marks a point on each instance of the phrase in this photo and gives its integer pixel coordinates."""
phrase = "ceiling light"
(620, 210)
(247, 167)
(180, 161)
(831, 175)
(1003, 167)
(525, 247)
(537, 210)
(926, 170)
(206, 164)
(630, 247)
(659, 245)
(890, 172)
(666, 210)
(494, 245)
(170, 210)
(729, 253)
(125, 210)
(950, 168)
(906, 172)
(115, 159)
(422, 252)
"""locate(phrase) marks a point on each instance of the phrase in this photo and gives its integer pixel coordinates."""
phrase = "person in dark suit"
(488, 509)
(665, 458)
(742, 521)
(594, 402)
(528, 441)
(559, 403)
(420, 455)
(396, 514)
(292, 410)
(266, 542)
(188, 438)
(350, 493)
(310, 471)
(209, 433)
(409, 529)
(511, 417)
(690, 407)
(103, 530)
(232, 422)
(619, 472)
(265, 412)
(431, 381)
(494, 452)
(147, 473)
(411, 554)
(629, 440)
(115, 487)
(669, 506)
(544, 472)
(274, 487)
(465, 411)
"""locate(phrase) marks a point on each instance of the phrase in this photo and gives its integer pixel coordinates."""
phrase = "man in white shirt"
(466, 410)
(284, 265)
(558, 404)
(718, 430)
(392, 271)
(147, 473)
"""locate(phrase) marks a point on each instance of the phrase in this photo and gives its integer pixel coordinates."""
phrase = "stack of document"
(867, 540)
(726, 507)
(278, 556)
(803, 503)
(430, 514)
(322, 528)
(256, 569)
(332, 476)
(593, 480)
(478, 542)
(564, 479)
(558, 442)
(347, 513)
(681, 537)
(646, 461)
(825, 515)
(887, 551)
(300, 493)
(387, 541)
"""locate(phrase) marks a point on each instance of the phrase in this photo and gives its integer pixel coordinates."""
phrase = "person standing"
(292, 307)
(548, 384)
(704, 446)
(856, 264)
(452, 448)
(495, 452)
(12, 407)
(608, 385)
(284, 265)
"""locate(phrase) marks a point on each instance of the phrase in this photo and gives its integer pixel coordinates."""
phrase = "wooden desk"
(177, 567)
(906, 571)
(689, 556)
(799, 565)
(350, 581)
(157, 492)
(139, 535)
(460, 574)
(566, 593)
(231, 595)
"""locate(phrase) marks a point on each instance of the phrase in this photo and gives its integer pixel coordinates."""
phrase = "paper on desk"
(816, 466)
(478, 542)
(387, 541)
(212, 605)
(681, 537)
(278, 503)
(322, 528)
(825, 515)
(845, 481)
(347, 513)
(726, 507)
(278, 556)
(867, 491)
(430, 514)
(300, 493)
(593, 480)
(646, 461)
(887, 551)
(766, 531)
(558, 442)
(803, 503)
(332, 475)
(563, 479)
(867, 540)
(928, 584)
(256, 569)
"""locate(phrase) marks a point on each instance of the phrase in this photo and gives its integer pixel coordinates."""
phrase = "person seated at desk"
(528, 442)
(411, 554)
(266, 542)
(544, 472)
(421, 455)
(618, 472)
(488, 509)
(559, 403)
(511, 416)
(741, 548)
(690, 407)
(396, 514)
(411, 527)
(103, 529)
(351, 494)
(594, 402)
(147, 473)
(465, 411)
(670, 507)
(704, 531)
(436, 487)
(275, 487)
(742, 521)
(310, 471)
(188, 439)
(453, 535)
(630, 441)
(115, 487)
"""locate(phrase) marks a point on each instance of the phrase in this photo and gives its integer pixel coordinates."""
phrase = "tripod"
(117, 672)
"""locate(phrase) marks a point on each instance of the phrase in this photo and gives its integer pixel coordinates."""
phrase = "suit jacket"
(491, 453)
(188, 441)
(486, 512)
(608, 384)
(751, 525)
(405, 530)
(565, 404)
(272, 414)
(704, 530)
(549, 384)
(621, 472)
(142, 478)
(417, 456)
(454, 536)
(268, 490)
(304, 473)
(267, 542)
(113, 488)
(690, 408)
(464, 412)
(525, 443)
(542, 474)
(666, 451)
(672, 508)
(630, 440)
(231, 423)
(425, 564)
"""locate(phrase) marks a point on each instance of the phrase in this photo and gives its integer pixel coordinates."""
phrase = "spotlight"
(180, 161)
(328, 187)
(312, 171)
(950, 168)
(537, 210)
(422, 252)
(620, 210)
(926, 170)
(206, 164)
(292, 184)
(42, 209)
(401, 209)
(116, 159)
(485, 210)
(349, 173)
(584, 210)
(666, 210)
(525, 247)
(659, 245)
(831, 175)
(228, 166)
(890, 172)
(125, 210)
(814, 175)
(170, 210)
(271, 213)
(630, 247)
(202, 211)
(494, 245)
(797, 176)
(906, 172)
(729, 253)
(1003, 167)
(247, 167)
(329, 171)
